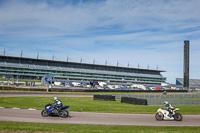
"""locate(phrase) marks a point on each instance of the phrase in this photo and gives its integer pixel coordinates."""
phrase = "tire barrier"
(134, 101)
(128, 100)
(104, 97)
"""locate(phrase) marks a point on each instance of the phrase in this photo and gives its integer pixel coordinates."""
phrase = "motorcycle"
(162, 114)
(52, 110)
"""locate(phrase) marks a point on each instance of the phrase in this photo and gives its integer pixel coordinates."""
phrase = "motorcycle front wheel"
(44, 113)
(159, 117)
(178, 117)
(64, 113)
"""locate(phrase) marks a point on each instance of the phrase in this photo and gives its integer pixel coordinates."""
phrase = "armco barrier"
(175, 99)
(133, 101)
(104, 97)
(147, 96)
(174, 102)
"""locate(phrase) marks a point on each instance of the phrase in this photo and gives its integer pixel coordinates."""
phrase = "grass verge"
(78, 128)
(87, 104)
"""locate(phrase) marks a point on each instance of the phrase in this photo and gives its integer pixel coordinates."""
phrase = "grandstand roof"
(192, 82)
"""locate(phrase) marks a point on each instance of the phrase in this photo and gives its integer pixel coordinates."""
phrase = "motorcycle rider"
(169, 108)
(58, 103)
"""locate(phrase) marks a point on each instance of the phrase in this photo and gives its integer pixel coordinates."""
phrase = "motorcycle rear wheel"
(159, 117)
(64, 113)
(178, 117)
(44, 113)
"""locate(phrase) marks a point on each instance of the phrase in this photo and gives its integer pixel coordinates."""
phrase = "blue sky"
(144, 32)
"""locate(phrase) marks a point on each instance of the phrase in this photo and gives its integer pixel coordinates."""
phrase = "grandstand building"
(31, 68)
(192, 82)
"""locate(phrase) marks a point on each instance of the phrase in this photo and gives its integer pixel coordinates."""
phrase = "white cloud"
(149, 32)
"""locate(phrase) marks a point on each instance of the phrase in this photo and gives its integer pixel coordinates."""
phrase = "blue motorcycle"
(52, 110)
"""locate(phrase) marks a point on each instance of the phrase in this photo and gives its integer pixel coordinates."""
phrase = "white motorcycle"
(163, 114)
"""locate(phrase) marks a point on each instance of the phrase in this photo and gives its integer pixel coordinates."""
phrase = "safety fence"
(173, 102)
(150, 96)
(175, 99)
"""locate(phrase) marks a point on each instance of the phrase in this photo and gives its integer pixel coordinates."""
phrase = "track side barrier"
(136, 101)
(104, 97)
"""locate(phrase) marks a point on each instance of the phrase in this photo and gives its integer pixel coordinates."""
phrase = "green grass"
(87, 104)
(78, 128)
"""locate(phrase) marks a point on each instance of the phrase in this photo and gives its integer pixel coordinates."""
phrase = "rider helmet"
(166, 103)
(55, 98)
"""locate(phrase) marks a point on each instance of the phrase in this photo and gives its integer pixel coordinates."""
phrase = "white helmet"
(55, 98)
(166, 102)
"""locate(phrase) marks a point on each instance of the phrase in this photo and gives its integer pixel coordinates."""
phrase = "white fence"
(173, 102)
(175, 99)
(171, 96)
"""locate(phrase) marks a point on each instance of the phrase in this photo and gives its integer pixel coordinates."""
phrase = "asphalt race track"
(21, 115)
(24, 115)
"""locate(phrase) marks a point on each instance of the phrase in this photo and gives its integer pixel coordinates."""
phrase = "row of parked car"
(108, 85)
